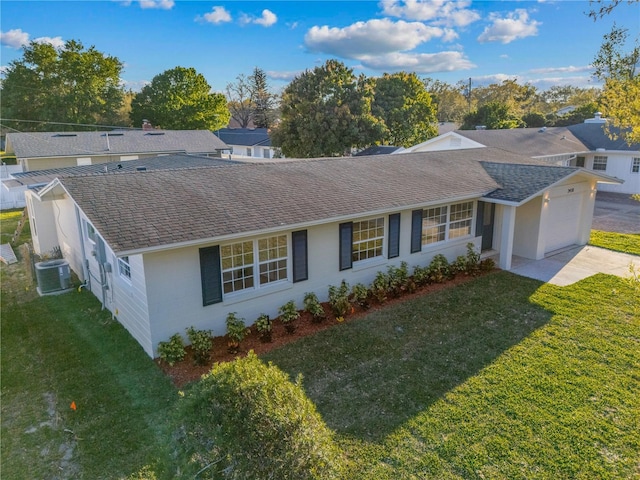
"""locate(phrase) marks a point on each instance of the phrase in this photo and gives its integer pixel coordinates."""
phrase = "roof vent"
(66, 135)
(141, 169)
(481, 127)
(543, 129)
(154, 133)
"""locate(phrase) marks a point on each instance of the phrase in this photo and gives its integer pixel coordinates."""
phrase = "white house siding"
(175, 292)
(42, 221)
(67, 232)
(125, 299)
(527, 229)
(14, 197)
(619, 166)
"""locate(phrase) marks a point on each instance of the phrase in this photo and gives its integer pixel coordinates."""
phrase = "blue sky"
(544, 43)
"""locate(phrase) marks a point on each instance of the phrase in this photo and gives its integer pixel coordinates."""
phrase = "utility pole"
(469, 95)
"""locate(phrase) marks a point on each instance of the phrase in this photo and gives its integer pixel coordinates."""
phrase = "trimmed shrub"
(236, 331)
(288, 314)
(201, 344)
(246, 419)
(172, 351)
(313, 306)
(380, 287)
(264, 327)
(360, 295)
(339, 299)
(439, 269)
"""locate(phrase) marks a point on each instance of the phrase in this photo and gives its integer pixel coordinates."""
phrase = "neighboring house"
(164, 250)
(378, 150)
(583, 145)
(9, 198)
(46, 150)
(15, 185)
(247, 142)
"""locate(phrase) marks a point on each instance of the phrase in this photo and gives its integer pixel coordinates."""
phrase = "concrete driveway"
(616, 212)
(572, 264)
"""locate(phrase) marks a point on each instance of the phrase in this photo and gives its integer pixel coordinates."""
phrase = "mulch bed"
(187, 371)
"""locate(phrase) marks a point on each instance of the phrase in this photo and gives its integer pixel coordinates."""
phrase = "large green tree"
(404, 106)
(493, 116)
(180, 99)
(450, 101)
(325, 112)
(70, 84)
(620, 99)
(264, 101)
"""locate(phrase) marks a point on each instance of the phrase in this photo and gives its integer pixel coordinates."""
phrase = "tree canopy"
(70, 84)
(493, 116)
(180, 99)
(402, 103)
(325, 112)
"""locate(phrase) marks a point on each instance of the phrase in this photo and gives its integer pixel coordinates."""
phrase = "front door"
(484, 227)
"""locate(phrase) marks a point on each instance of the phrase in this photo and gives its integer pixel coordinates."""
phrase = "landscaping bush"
(236, 331)
(360, 295)
(264, 327)
(399, 281)
(339, 299)
(380, 287)
(439, 269)
(246, 419)
(172, 351)
(313, 306)
(201, 344)
(288, 314)
(421, 275)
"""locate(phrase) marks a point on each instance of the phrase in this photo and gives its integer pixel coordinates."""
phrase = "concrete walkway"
(572, 264)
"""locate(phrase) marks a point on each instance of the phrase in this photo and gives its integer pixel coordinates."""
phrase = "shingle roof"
(533, 142)
(52, 144)
(162, 162)
(249, 137)
(377, 150)
(594, 137)
(519, 182)
(135, 211)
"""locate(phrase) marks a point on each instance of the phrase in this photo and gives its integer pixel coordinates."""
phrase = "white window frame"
(124, 268)
(368, 242)
(601, 162)
(90, 232)
(247, 265)
(249, 153)
(635, 165)
(266, 152)
(441, 223)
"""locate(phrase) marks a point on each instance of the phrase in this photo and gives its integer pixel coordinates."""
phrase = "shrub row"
(342, 299)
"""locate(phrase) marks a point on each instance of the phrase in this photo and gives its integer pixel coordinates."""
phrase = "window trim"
(417, 226)
(383, 239)
(602, 162)
(90, 231)
(635, 165)
(124, 268)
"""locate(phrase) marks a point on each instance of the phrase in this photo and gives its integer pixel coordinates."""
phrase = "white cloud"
(161, 4)
(3, 70)
(373, 37)
(418, 62)
(57, 42)
(439, 12)
(576, 81)
(14, 38)
(515, 25)
(283, 75)
(569, 69)
(489, 79)
(216, 16)
(134, 85)
(267, 19)
(17, 39)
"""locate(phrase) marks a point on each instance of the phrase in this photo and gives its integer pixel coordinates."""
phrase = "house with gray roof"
(47, 150)
(586, 145)
(248, 142)
(164, 251)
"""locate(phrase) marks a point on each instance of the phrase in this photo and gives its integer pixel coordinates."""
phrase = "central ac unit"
(53, 276)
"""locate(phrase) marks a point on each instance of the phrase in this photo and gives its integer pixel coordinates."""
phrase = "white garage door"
(563, 221)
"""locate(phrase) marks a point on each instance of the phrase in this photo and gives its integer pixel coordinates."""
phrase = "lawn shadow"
(369, 376)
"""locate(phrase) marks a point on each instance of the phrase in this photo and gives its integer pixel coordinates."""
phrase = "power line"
(67, 123)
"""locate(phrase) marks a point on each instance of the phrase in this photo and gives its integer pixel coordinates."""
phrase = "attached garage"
(565, 215)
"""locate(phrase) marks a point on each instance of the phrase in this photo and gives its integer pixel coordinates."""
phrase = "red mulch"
(186, 371)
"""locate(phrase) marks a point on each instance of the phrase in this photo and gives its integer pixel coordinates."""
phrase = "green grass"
(619, 242)
(501, 378)
(62, 349)
(9, 222)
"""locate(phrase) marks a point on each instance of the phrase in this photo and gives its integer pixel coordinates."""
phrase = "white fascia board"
(296, 226)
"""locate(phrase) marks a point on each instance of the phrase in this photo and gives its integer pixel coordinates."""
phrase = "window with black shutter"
(210, 275)
(299, 254)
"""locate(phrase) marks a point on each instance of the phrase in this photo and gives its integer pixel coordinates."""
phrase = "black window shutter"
(416, 231)
(394, 235)
(211, 275)
(299, 255)
(479, 219)
(346, 245)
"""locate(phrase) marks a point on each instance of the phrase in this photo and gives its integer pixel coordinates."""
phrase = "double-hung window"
(368, 238)
(254, 263)
(442, 223)
(124, 268)
(600, 163)
(635, 165)
(91, 232)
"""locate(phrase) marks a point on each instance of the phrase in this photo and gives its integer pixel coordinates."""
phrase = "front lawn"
(619, 242)
(500, 378)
